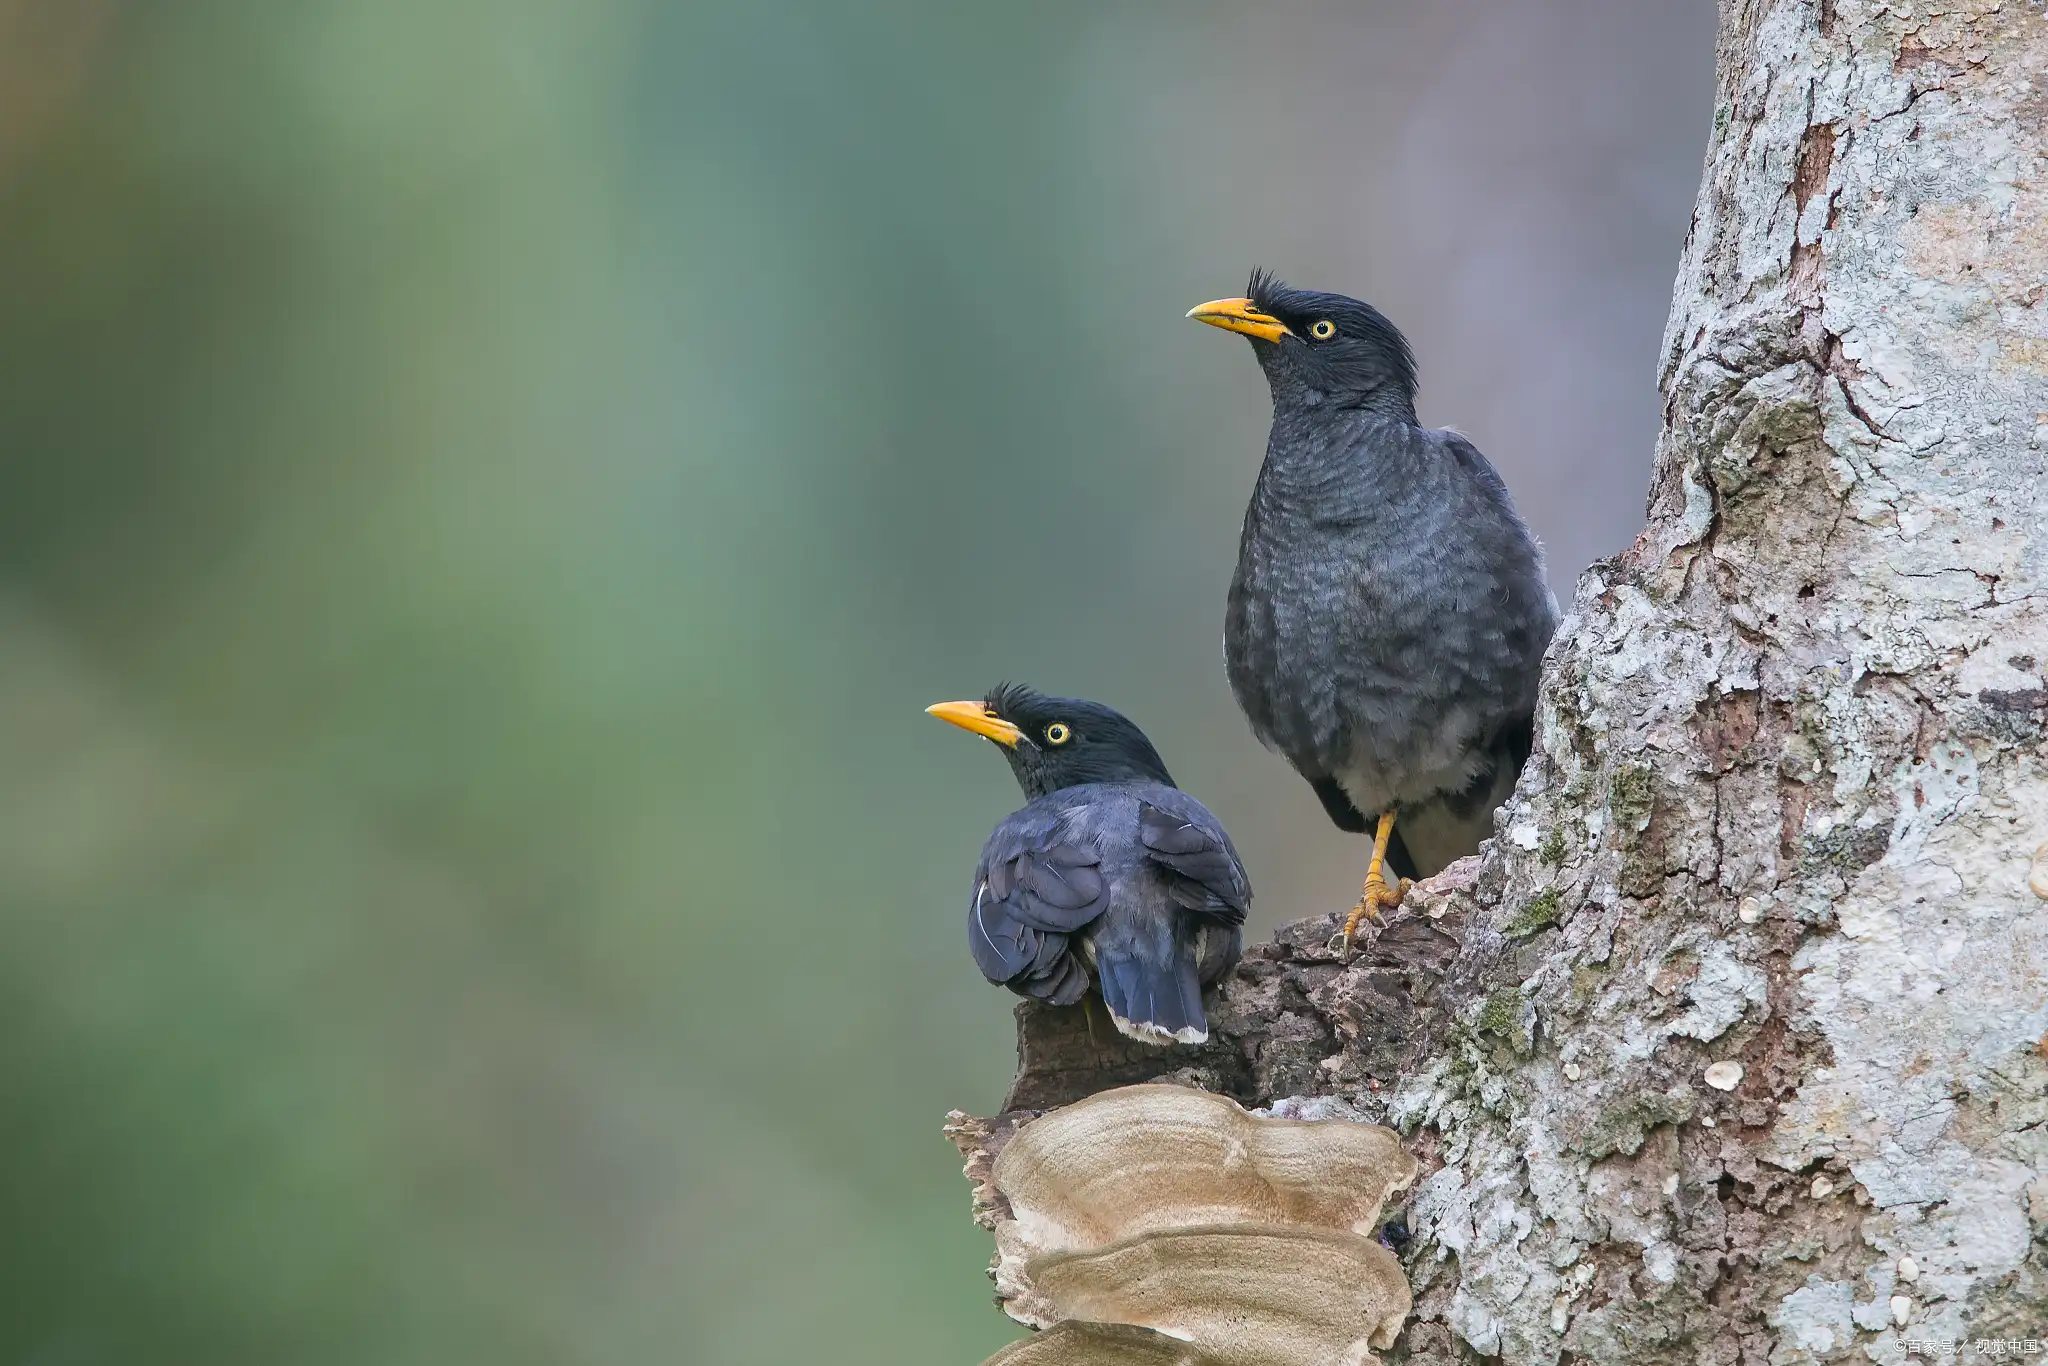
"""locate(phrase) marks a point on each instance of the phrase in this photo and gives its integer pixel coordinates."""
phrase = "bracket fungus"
(1143, 1158)
(1076, 1343)
(1241, 1238)
(1239, 1294)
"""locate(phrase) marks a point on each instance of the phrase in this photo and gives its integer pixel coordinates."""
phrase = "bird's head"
(1320, 349)
(1056, 742)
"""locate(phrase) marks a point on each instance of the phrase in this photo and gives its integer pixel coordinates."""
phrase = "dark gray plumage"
(1108, 867)
(1388, 618)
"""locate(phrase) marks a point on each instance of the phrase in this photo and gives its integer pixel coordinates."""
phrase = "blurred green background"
(486, 490)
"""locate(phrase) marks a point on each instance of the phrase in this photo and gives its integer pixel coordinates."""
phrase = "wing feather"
(1036, 887)
(1203, 871)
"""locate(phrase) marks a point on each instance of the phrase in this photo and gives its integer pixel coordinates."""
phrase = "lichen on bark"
(1811, 855)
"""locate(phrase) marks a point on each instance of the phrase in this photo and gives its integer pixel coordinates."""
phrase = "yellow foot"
(1374, 895)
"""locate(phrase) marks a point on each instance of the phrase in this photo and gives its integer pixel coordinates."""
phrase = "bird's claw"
(1375, 895)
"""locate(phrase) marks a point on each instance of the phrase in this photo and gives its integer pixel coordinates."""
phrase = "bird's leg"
(1376, 893)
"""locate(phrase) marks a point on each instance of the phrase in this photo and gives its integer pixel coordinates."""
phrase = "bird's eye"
(1057, 733)
(1323, 330)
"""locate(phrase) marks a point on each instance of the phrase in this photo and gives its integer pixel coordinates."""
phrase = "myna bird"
(1387, 621)
(1108, 868)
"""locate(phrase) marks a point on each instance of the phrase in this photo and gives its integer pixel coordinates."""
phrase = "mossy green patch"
(1502, 1017)
(1497, 1016)
(1539, 914)
(1632, 796)
(1622, 1127)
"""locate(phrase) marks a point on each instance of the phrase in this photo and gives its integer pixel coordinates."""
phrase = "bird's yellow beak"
(976, 717)
(1240, 315)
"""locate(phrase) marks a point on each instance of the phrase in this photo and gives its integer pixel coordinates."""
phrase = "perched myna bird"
(1388, 617)
(1108, 866)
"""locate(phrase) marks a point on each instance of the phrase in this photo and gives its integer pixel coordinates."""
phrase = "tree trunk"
(1730, 1048)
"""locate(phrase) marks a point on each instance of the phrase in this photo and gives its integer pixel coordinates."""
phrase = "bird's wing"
(1203, 870)
(1035, 886)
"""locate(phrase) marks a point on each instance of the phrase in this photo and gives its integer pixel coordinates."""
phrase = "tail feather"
(1155, 1002)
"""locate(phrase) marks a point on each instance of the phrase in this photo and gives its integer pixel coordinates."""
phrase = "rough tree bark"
(1733, 1045)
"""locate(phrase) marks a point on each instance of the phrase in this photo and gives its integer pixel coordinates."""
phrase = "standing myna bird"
(1388, 617)
(1108, 866)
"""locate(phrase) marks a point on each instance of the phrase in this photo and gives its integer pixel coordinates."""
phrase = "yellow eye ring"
(1057, 733)
(1323, 329)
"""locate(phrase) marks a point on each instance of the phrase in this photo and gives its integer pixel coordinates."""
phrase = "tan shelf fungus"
(1095, 1344)
(1238, 1239)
